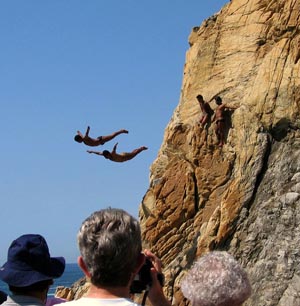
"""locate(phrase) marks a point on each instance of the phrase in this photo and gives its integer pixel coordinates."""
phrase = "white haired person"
(216, 279)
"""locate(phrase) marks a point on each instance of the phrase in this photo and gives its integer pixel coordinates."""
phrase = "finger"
(156, 262)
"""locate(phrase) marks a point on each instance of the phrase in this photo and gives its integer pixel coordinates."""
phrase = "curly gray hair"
(110, 243)
(216, 279)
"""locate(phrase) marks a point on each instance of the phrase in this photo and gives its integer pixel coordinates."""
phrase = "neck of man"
(108, 292)
(41, 295)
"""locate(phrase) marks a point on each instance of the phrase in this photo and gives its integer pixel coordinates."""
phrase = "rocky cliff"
(243, 197)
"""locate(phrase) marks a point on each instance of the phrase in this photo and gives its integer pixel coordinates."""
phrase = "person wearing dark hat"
(29, 271)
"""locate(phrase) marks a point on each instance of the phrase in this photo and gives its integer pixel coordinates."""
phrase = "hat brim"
(27, 276)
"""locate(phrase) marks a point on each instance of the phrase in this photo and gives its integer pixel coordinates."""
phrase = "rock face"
(77, 290)
(245, 196)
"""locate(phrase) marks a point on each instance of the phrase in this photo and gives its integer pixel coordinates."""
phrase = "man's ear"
(83, 267)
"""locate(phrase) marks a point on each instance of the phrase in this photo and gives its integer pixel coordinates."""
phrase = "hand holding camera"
(151, 270)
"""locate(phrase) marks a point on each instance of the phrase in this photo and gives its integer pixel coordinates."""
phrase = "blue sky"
(68, 64)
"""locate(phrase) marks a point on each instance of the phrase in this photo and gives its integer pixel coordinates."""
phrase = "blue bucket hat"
(29, 262)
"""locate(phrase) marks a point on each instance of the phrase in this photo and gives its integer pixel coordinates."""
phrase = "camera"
(143, 278)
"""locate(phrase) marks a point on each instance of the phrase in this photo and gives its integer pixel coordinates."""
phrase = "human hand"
(156, 294)
(156, 262)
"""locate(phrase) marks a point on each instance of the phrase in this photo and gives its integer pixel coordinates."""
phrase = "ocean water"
(71, 275)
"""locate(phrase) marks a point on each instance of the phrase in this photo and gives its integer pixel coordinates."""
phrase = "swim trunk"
(100, 140)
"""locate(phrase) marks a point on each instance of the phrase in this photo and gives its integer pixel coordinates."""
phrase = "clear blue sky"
(68, 64)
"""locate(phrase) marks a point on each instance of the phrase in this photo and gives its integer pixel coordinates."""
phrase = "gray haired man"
(111, 256)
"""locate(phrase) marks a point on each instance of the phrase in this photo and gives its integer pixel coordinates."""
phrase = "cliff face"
(244, 196)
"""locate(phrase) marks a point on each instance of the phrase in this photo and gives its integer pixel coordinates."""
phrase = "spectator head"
(110, 246)
(29, 264)
(216, 279)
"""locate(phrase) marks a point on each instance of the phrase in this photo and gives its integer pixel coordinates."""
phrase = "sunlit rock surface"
(244, 196)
